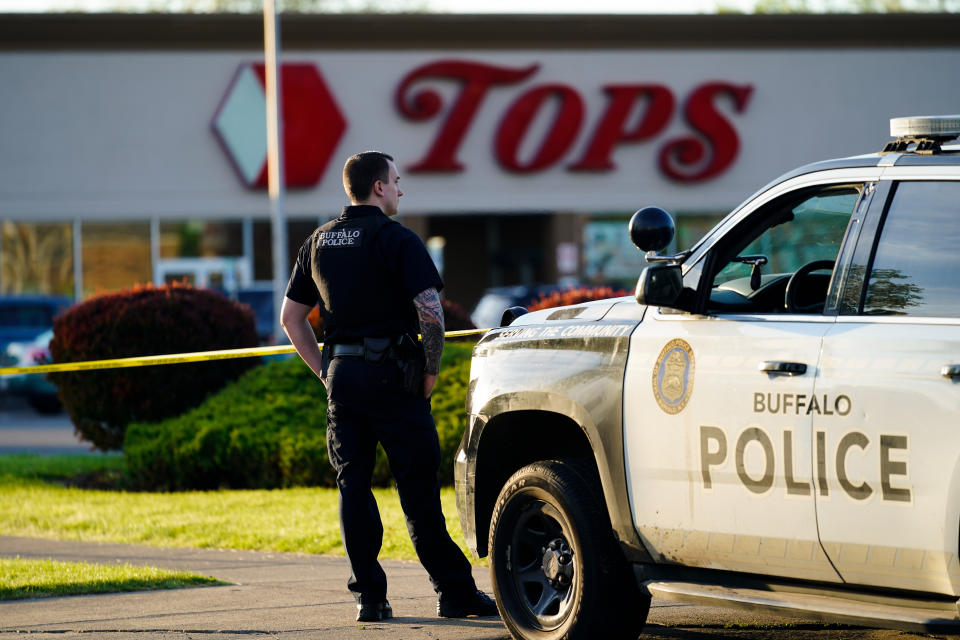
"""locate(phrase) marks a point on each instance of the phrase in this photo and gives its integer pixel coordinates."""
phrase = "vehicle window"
(811, 230)
(26, 315)
(916, 263)
(805, 231)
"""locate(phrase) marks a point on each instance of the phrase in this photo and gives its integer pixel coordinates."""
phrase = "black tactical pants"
(367, 405)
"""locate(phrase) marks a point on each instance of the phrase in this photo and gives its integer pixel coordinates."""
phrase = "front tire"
(557, 572)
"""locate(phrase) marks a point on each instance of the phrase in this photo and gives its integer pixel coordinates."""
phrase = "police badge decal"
(673, 376)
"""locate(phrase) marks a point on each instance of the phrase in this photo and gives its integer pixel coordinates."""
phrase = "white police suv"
(771, 422)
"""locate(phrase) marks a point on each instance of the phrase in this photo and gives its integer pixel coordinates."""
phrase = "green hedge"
(267, 430)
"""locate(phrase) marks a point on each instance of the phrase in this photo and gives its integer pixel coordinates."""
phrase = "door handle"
(950, 371)
(789, 368)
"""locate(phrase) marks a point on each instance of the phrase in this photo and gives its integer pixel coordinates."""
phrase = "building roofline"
(432, 31)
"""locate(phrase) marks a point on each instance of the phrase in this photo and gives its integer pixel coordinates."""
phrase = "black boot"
(374, 612)
(471, 604)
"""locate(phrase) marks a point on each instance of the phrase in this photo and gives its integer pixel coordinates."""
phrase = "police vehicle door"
(717, 404)
(888, 452)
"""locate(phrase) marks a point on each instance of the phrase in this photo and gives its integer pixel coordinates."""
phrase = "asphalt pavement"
(23, 430)
(287, 596)
(272, 595)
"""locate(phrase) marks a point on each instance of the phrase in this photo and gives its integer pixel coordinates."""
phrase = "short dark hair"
(362, 170)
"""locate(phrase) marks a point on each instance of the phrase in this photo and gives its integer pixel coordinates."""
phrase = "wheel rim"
(542, 562)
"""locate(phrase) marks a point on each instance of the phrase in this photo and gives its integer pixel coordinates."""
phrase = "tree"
(845, 6)
(286, 6)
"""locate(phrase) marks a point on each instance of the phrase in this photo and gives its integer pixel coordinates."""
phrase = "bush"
(316, 322)
(268, 430)
(263, 431)
(455, 317)
(145, 321)
(574, 296)
(449, 402)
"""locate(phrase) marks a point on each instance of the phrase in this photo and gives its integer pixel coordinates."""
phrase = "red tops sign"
(705, 154)
(314, 125)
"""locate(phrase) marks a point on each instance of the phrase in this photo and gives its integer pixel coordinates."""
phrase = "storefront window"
(116, 255)
(36, 258)
(297, 232)
(201, 239)
(610, 257)
(692, 227)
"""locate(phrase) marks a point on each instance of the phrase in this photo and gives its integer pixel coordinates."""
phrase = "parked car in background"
(260, 301)
(40, 393)
(23, 318)
(496, 300)
(26, 327)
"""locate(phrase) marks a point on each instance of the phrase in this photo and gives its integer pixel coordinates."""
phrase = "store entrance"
(484, 251)
(227, 275)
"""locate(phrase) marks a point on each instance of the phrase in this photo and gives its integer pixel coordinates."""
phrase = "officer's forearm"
(302, 338)
(293, 318)
(430, 312)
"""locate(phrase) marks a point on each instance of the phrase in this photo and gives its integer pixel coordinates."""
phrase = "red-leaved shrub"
(145, 321)
(455, 317)
(316, 322)
(574, 296)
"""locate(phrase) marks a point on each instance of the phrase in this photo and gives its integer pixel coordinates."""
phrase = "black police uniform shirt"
(373, 269)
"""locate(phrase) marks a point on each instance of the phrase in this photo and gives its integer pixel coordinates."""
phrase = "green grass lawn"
(106, 469)
(34, 503)
(63, 467)
(21, 578)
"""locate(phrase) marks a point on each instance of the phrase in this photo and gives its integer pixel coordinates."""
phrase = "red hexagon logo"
(312, 124)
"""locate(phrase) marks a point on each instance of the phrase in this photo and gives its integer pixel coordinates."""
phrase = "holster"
(325, 357)
(411, 360)
(376, 350)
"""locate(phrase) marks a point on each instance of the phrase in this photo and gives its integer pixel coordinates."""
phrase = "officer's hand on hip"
(428, 381)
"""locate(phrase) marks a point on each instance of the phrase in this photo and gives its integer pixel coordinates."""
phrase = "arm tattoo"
(430, 312)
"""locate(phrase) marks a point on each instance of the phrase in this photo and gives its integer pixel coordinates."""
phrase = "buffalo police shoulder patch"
(673, 376)
(343, 238)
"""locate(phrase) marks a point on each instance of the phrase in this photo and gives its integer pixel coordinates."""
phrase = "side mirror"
(651, 229)
(660, 285)
(511, 314)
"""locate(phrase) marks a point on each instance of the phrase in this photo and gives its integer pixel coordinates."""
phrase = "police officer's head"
(371, 178)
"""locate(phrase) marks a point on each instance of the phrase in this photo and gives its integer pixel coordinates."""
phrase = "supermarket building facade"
(134, 146)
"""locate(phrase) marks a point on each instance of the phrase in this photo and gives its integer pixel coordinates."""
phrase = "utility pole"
(275, 169)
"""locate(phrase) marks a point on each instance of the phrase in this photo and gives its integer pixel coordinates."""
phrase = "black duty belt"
(375, 350)
(348, 350)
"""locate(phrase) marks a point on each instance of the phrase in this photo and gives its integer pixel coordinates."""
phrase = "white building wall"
(127, 135)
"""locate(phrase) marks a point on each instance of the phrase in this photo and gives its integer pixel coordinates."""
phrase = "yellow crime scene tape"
(176, 358)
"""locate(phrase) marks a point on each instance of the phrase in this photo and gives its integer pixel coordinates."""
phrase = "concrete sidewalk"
(286, 596)
(292, 596)
(274, 595)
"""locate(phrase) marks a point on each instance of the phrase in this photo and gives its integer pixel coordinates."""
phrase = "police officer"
(378, 289)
